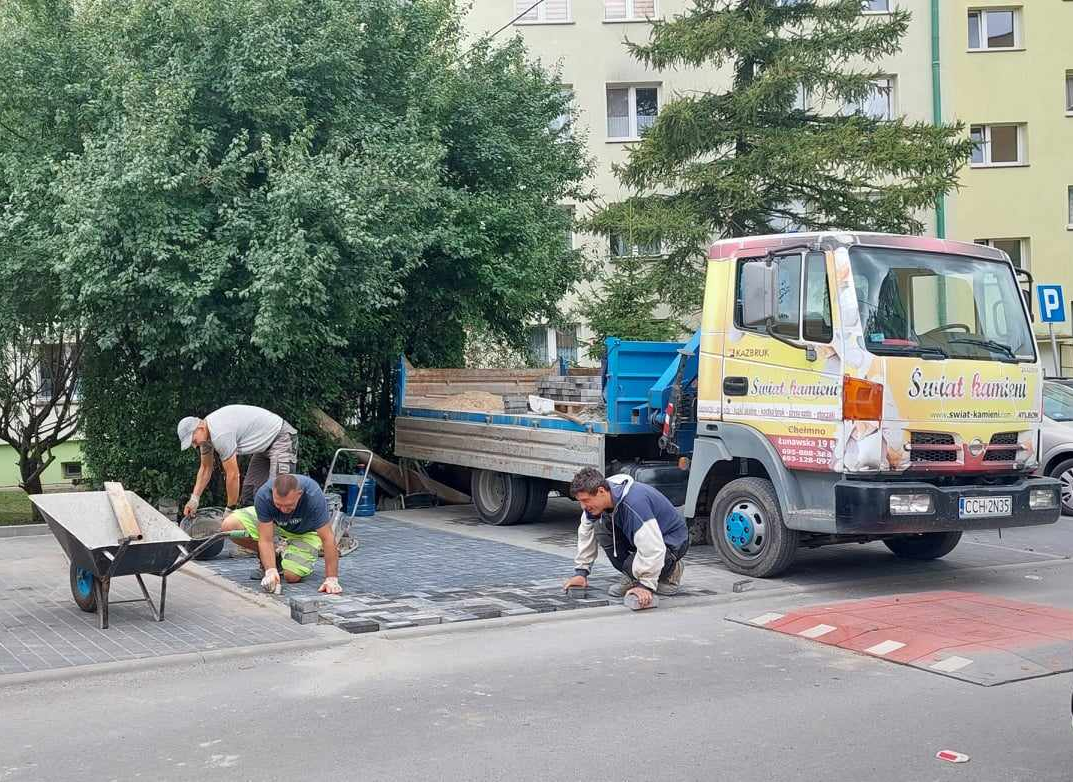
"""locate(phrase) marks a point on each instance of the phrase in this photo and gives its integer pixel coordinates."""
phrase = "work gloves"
(331, 586)
(270, 583)
(191, 506)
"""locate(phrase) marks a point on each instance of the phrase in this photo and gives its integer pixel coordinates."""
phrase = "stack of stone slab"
(575, 389)
(515, 404)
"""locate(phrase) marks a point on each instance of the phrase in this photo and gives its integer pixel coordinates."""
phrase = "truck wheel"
(747, 529)
(82, 588)
(500, 498)
(930, 545)
(536, 502)
(1064, 473)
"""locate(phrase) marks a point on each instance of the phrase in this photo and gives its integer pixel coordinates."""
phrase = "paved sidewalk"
(405, 575)
(41, 628)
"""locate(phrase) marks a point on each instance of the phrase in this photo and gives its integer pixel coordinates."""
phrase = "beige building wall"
(1016, 81)
(589, 50)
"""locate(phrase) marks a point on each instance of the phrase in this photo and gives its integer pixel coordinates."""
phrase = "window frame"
(1024, 251)
(1069, 207)
(71, 476)
(631, 102)
(1069, 93)
(563, 122)
(802, 293)
(541, 11)
(631, 13)
(1022, 145)
(891, 93)
(1018, 31)
(870, 12)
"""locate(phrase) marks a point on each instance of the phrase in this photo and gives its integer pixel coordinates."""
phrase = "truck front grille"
(932, 448)
(1003, 447)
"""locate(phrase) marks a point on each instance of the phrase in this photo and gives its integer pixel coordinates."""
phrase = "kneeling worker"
(297, 506)
(643, 535)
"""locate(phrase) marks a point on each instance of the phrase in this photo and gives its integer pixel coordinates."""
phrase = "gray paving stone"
(358, 626)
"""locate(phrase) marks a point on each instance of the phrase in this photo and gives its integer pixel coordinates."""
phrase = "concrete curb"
(22, 530)
(327, 641)
(202, 573)
(687, 601)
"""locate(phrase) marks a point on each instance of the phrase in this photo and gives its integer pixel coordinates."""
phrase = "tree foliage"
(267, 201)
(750, 159)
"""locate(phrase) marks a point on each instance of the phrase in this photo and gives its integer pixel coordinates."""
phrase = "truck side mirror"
(1027, 295)
(758, 290)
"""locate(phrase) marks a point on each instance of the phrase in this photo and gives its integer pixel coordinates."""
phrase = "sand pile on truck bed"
(466, 402)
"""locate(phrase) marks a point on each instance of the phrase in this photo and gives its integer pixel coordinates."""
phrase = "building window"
(71, 470)
(1069, 217)
(564, 119)
(538, 345)
(876, 6)
(566, 344)
(1069, 93)
(1017, 249)
(801, 99)
(880, 104)
(629, 10)
(998, 145)
(994, 28)
(631, 111)
(568, 234)
(621, 247)
(547, 12)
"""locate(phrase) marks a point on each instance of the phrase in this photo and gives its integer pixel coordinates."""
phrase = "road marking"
(817, 631)
(766, 619)
(885, 648)
(951, 664)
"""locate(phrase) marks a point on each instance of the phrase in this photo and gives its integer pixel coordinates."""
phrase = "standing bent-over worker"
(643, 535)
(233, 431)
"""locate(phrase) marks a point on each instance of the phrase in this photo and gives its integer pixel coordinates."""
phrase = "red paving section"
(968, 636)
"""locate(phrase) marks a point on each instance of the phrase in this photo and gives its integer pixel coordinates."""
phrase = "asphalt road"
(676, 694)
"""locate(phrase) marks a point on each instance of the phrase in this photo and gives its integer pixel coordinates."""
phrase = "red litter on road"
(952, 757)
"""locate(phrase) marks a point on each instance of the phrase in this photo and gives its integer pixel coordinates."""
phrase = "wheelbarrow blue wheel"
(82, 588)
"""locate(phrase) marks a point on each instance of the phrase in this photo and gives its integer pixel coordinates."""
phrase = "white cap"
(186, 431)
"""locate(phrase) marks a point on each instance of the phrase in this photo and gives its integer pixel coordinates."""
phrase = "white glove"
(331, 586)
(192, 505)
(270, 583)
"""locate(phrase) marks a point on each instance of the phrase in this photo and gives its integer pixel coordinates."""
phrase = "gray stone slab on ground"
(41, 628)
(406, 575)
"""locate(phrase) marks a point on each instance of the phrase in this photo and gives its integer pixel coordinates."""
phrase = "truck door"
(783, 377)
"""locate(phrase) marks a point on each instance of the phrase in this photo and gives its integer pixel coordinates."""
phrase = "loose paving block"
(305, 617)
(458, 616)
(520, 611)
(358, 626)
(593, 602)
(425, 619)
(398, 625)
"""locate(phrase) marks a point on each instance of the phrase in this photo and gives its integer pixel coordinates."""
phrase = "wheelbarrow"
(112, 533)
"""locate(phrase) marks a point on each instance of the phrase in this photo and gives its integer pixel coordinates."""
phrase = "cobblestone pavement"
(41, 628)
(405, 575)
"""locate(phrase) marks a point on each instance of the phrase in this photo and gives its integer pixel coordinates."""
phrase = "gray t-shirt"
(241, 430)
(309, 515)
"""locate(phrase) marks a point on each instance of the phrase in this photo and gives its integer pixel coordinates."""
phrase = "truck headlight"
(910, 504)
(1042, 499)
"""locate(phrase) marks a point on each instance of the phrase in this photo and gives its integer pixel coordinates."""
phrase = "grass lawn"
(15, 508)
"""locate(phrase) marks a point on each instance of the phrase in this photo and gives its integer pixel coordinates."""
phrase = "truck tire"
(747, 529)
(930, 545)
(1063, 471)
(500, 497)
(536, 502)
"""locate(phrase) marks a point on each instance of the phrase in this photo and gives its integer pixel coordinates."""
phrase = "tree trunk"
(32, 486)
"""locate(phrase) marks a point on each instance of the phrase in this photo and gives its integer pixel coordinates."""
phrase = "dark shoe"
(673, 582)
(624, 585)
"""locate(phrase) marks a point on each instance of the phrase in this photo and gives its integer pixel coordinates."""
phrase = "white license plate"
(982, 507)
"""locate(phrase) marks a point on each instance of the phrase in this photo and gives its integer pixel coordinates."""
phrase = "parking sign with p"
(1052, 304)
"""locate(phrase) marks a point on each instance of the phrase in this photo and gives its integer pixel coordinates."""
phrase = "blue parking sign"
(1052, 304)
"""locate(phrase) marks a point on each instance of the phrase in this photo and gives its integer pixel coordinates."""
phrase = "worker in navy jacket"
(643, 535)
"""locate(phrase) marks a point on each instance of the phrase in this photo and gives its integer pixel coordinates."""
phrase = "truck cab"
(857, 386)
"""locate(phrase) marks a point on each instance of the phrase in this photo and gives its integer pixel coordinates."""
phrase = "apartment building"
(1007, 73)
(1004, 71)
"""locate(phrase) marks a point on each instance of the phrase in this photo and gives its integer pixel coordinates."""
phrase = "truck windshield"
(941, 306)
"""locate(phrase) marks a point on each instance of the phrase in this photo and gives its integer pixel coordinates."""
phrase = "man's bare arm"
(232, 480)
(331, 551)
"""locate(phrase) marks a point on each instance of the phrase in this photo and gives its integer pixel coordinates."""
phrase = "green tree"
(268, 201)
(752, 159)
(624, 306)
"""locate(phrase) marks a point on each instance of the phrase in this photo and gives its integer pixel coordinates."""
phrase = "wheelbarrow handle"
(237, 534)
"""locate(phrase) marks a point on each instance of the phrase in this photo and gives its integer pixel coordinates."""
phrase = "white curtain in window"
(614, 9)
(643, 9)
(556, 10)
(618, 113)
(528, 14)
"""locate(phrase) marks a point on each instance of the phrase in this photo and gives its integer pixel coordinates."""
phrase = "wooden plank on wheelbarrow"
(124, 513)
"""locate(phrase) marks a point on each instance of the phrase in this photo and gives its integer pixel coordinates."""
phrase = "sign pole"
(1054, 351)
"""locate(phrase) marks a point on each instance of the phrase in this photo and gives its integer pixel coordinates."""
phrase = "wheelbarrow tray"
(87, 529)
